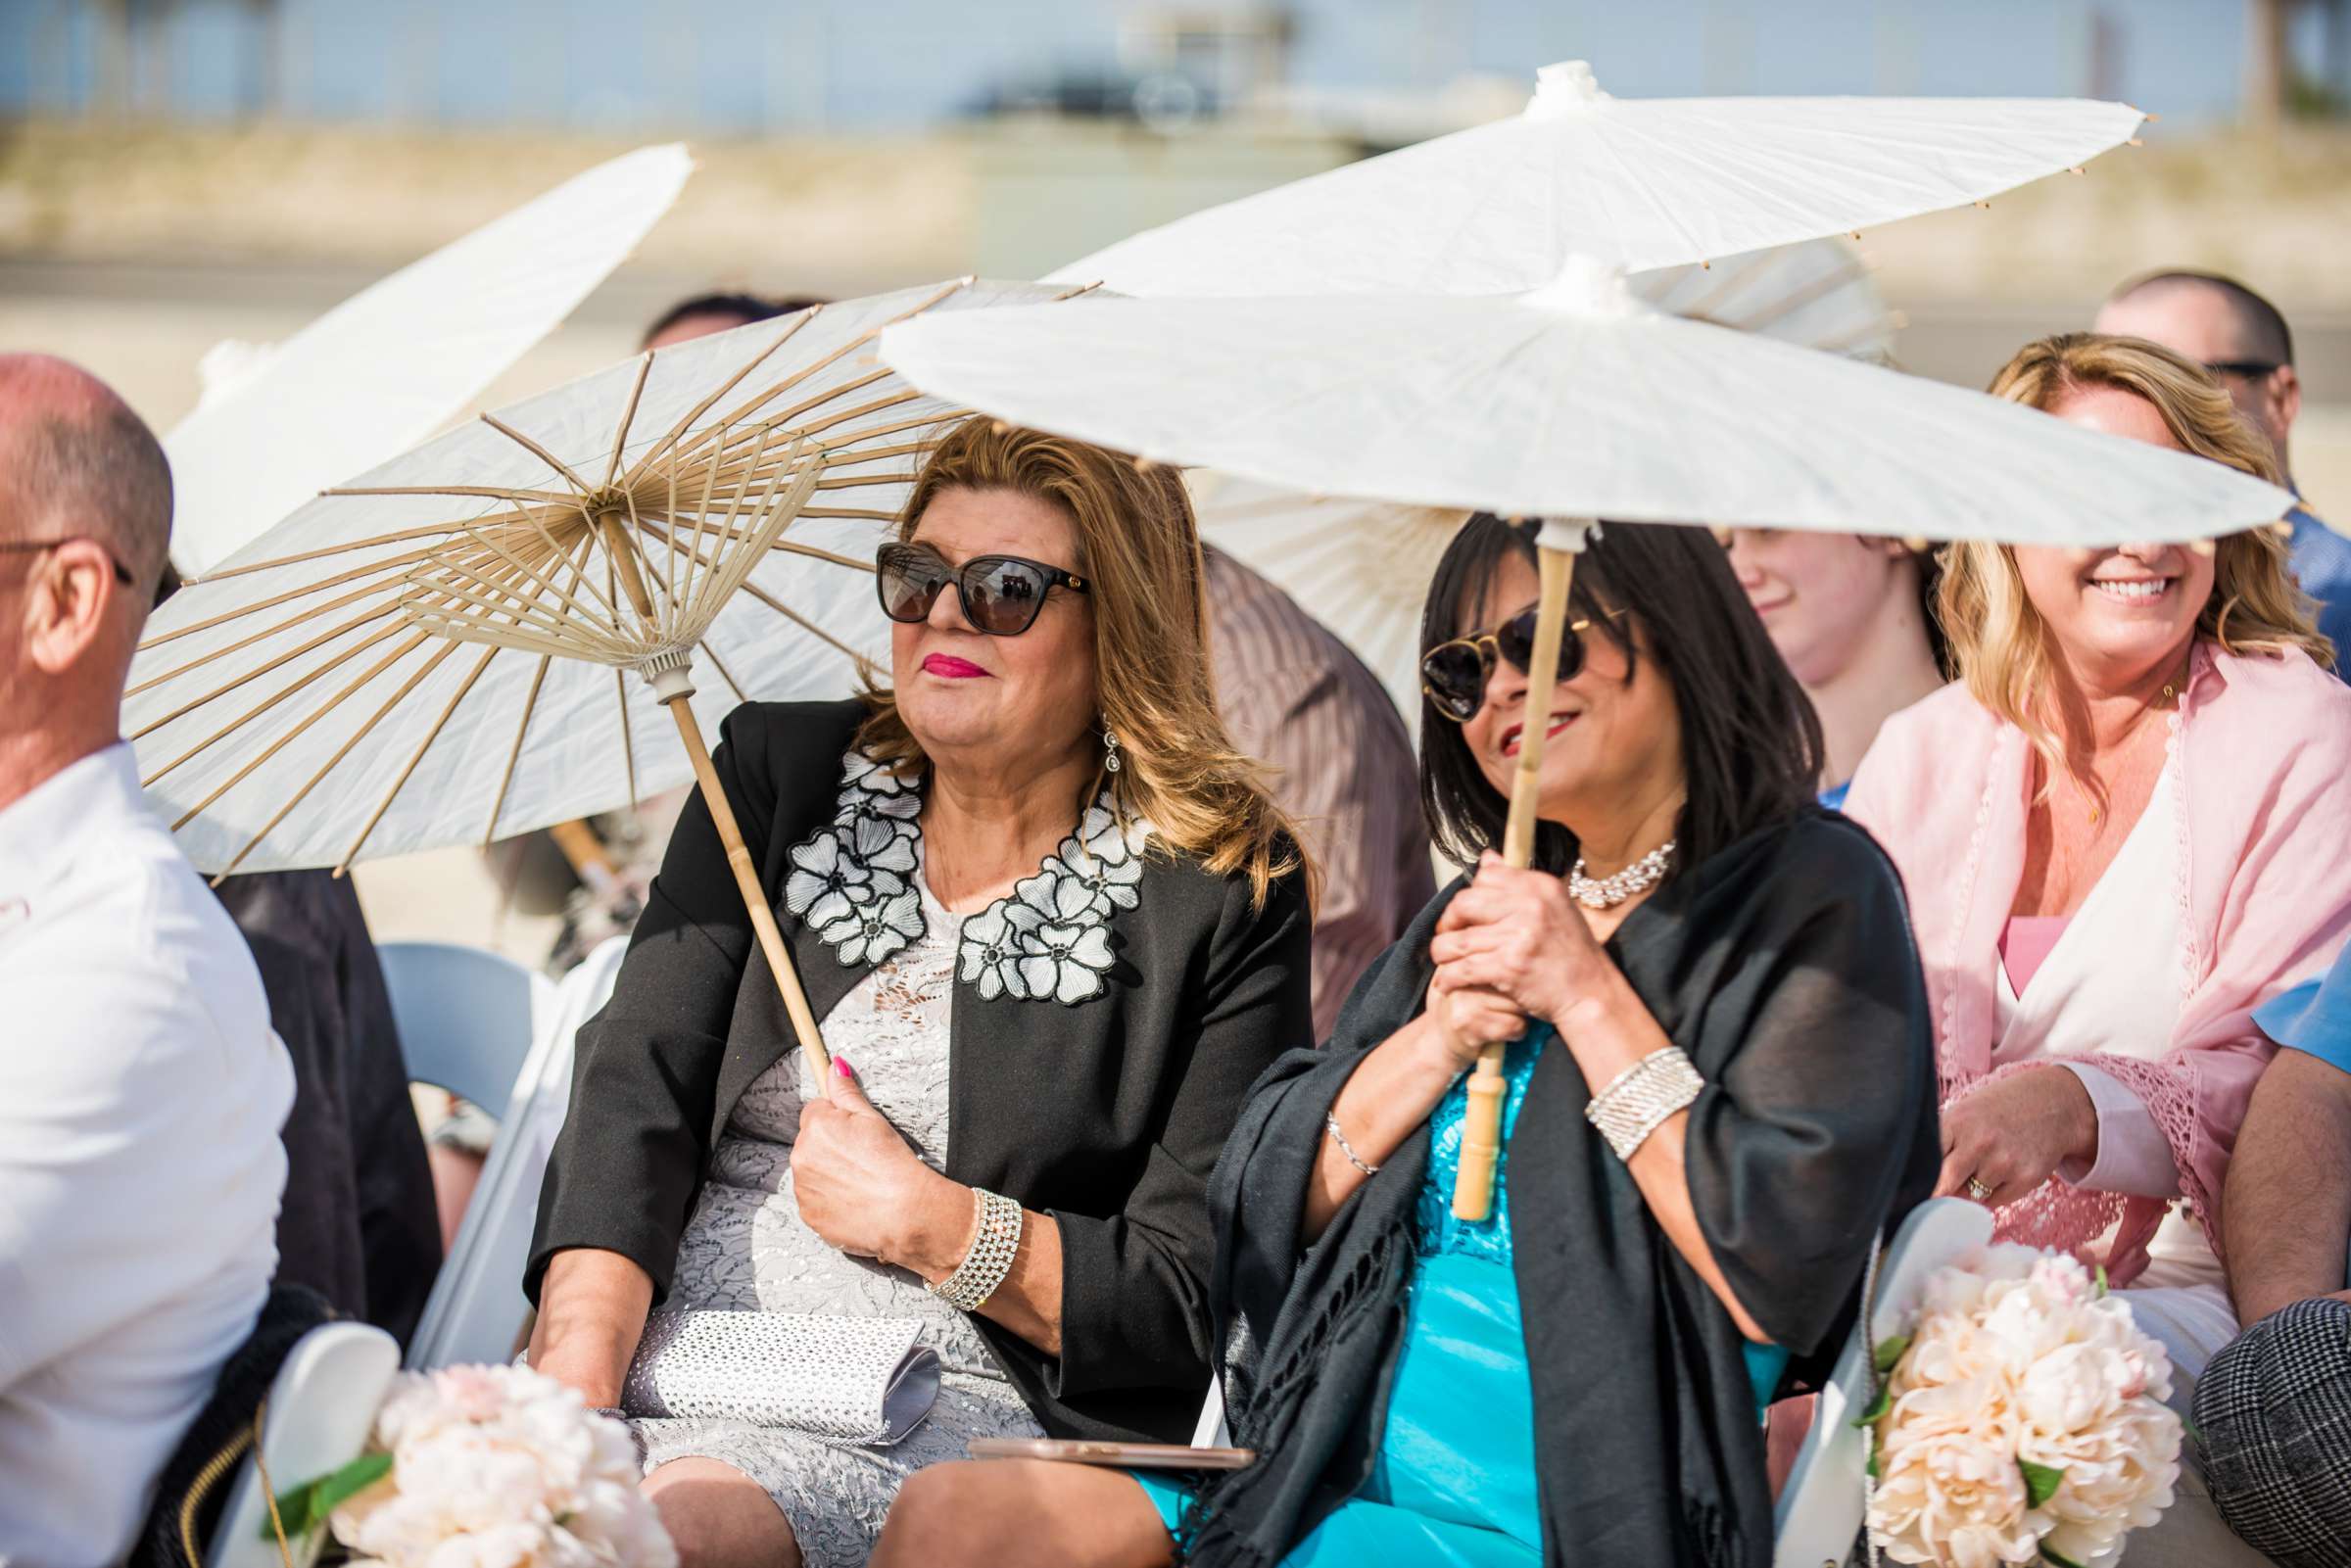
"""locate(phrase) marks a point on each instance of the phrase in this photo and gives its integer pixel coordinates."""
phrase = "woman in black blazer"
(1053, 929)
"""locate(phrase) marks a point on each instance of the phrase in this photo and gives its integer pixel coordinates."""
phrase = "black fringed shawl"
(1784, 967)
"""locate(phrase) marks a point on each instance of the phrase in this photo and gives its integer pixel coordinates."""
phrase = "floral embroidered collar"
(852, 884)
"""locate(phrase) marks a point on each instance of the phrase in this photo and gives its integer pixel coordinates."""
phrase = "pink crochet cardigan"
(2260, 760)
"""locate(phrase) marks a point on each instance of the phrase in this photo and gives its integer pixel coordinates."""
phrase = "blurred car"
(1164, 100)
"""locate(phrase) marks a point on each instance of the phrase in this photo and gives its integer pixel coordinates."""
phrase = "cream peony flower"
(501, 1467)
(2024, 1380)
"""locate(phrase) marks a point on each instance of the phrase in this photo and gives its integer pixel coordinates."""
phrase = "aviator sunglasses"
(1000, 595)
(1455, 674)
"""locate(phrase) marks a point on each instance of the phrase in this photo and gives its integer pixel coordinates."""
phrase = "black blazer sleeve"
(1135, 1283)
(644, 1079)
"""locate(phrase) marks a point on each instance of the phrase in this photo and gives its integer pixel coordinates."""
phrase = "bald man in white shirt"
(141, 1090)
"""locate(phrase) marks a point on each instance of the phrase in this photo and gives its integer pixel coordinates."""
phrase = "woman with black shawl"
(1720, 1092)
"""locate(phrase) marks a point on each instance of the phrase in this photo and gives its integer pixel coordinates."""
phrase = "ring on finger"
(1978, 1191)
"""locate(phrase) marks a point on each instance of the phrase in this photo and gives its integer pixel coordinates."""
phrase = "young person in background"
(1855, 619)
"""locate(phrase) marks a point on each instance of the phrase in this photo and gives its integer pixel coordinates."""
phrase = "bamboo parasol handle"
(746, 880)
(1481, 1133)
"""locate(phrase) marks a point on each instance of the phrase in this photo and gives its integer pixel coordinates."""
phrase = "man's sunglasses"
(122, 572)
(1000, 595)
(2250, 369)
(1455, 674)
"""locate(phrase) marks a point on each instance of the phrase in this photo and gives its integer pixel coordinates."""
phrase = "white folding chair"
(1819, 1512)
(476, 1304)
(1211, 1433)
(467, 1016)
(322, 1407)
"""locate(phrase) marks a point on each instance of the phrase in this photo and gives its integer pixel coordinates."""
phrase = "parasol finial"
(1567, 87)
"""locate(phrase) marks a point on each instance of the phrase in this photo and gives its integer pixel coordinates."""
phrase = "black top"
(359, 1224)
(1784, 967)
(1107, 1115)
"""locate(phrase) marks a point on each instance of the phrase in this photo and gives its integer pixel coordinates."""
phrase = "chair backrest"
(466, 1017)
(321, 1407)
(1819, 1512)
(477, 1304)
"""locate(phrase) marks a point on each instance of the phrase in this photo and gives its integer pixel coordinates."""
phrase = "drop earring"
(1110, 762)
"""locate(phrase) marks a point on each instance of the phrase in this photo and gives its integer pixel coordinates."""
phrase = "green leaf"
(1877, 1406)
(1871, 1469)
(334, 1491)
(1889, 1353)
(2101, 1279)
(2060, 1560)
(292, 1514)
(2041, 1481)
(304, 1508)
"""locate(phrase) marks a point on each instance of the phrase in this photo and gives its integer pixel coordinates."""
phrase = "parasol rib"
(416, 757)
(242, 773)
(546, 456)
(332, 763)
(628, 416)
(678, 430)
(537, 498)
(793, 616)
(287, 657)
(744, 411)
(506, 780)
(566, 504)
(266, 703)
(389, 563)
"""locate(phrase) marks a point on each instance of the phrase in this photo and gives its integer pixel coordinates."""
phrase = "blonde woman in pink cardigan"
(2125, 826)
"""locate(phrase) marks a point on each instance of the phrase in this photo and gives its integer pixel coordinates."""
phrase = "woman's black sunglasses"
(1455, 674)
(1000, 595)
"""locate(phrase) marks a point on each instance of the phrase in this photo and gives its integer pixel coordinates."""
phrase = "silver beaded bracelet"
(995, 1242)
(1330, 1124)
(1639, 1099)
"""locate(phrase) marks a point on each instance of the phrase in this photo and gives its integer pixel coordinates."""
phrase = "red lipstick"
(947, 667)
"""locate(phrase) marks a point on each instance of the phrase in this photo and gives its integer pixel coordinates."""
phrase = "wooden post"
(1555, 549)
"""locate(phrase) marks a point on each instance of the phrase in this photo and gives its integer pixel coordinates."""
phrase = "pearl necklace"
(1606, 893)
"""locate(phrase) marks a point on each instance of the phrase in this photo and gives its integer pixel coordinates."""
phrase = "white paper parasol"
(1639, 184)
(254, 704)
(462, 642)
(387, 366)
(1574, 401)
(1571, 402)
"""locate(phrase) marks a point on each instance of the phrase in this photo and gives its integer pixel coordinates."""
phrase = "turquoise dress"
(1453, 1485)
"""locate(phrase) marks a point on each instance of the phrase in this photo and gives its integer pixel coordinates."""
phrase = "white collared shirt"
(141, 1094)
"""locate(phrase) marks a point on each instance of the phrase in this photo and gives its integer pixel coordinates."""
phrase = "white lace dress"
(746, 1247)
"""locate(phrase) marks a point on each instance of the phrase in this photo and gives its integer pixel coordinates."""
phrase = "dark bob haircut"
(1751, 744)
(745, 307)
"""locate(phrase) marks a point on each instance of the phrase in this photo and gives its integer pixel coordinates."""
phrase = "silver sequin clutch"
(850, 1380)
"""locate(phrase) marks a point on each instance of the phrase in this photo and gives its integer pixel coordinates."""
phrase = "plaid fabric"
(2273, 1423)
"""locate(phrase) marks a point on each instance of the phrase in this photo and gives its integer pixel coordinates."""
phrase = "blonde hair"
(1999, 644)
(1139, 548)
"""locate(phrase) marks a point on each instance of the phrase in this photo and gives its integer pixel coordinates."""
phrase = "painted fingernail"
(840, 1065)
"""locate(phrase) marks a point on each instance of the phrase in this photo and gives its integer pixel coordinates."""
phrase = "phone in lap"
(1121, 1455)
